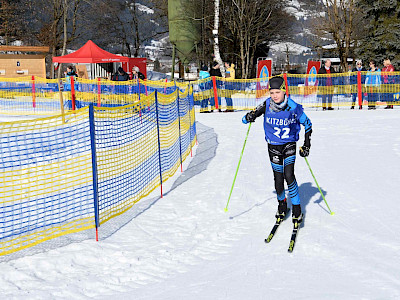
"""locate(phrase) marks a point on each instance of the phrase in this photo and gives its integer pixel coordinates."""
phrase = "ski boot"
(297, 215)
(282, 210)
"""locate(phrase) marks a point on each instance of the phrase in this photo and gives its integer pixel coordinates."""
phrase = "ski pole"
(237, 169)
(323, 197)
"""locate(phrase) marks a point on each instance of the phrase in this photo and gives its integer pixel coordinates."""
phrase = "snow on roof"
(144, 8)
(293, 48)
(330, 46)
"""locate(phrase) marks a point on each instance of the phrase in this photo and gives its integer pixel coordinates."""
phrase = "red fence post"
(33, 92)
(215, 92)
(72, 92)
(286, 84)
(359, 88)
(98, 92)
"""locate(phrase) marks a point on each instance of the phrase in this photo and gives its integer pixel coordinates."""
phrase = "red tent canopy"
(90, 53)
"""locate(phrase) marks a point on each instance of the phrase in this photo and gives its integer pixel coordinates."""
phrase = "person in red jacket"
(388, 80)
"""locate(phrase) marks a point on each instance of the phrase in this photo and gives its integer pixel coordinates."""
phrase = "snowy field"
(184, 246)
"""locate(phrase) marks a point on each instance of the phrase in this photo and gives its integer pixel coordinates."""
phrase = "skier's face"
(277, 95)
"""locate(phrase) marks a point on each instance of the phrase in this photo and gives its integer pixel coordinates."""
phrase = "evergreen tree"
(383, 31)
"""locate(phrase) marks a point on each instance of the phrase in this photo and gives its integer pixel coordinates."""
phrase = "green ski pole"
(237, 169)
(323, 197)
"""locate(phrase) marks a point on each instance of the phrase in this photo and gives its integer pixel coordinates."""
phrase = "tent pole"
(60, 94)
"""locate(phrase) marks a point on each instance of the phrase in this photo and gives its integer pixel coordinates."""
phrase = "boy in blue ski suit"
(282, 119)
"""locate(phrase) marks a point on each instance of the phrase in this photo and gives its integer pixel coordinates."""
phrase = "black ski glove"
(251, 116)
(304, 151)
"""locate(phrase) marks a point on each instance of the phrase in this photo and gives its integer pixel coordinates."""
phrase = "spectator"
(203, 75)
(230, 70)
(121, 75)
(70, 73)
(326, 84)
(358, 68)
(215, 71)
(372, 83)
(136, 74)
(388, 82)
(229, 74)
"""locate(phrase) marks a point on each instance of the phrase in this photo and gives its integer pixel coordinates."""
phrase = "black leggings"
(282, 159)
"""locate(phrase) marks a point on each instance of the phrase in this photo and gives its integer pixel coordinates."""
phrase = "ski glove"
(304, 151)
(249, 117)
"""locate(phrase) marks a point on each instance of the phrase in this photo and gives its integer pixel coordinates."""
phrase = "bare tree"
(340, 21)
(127, 24)
(12, 20)
(52, 20)
(252, 23)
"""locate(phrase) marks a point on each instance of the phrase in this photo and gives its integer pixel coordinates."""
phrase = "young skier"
(282, 119)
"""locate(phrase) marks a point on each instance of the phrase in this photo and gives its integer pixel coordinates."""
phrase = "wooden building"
(21, 65)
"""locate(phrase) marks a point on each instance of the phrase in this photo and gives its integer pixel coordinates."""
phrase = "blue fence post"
(94, 168)
(179, 122)
(190, 119)
(159, 142)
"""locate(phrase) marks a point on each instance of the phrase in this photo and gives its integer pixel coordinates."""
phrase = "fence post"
(94, 168)
(214, 80)
(140, 103)
(33, 92)
(359, 89)
(159, 143)
(60, 91)
(190, 121)
(286, 84)
(72, 92)
(98, 92)
(179, 122)
(165, 86)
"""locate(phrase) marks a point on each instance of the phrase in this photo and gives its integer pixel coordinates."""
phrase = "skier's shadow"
(306, 192)
(205, 153)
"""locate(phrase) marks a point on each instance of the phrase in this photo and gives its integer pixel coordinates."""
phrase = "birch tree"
(217, 54)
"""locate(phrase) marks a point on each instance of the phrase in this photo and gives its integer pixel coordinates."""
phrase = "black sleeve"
(255, 113)
(260, 110)
(307, 138)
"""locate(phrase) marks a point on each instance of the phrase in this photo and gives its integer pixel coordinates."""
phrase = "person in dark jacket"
(121, 75)
(136, 74)
(358, 68)
(215, 72)
(326, 85)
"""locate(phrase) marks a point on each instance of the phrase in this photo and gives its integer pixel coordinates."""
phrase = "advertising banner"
(264, 71)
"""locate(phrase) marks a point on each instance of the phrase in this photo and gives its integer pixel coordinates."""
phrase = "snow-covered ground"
(184, 246)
